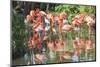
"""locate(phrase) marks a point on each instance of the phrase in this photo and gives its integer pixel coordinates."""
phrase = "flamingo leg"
(89, 32)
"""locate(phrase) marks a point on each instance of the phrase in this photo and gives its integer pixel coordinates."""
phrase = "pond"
(54, 57)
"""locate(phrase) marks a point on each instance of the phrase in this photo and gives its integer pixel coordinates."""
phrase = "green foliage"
(87, 9)
(72, 10)
(19, 34)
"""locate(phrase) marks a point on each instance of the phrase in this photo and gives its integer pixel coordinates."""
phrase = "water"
(53, 57)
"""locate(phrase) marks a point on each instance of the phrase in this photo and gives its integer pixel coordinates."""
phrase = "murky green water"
(53, 57)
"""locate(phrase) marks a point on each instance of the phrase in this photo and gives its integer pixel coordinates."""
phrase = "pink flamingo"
(40, 58)
(29, 18)
(90, 22)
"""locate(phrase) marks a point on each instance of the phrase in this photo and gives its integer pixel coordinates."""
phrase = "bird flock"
(42, 25)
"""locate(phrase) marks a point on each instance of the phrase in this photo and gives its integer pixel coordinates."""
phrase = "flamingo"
(63, 15)
(50, 45)
(75, 44)
(66, 56)
(31, 43)
(39, 25)
(77, 21)
(71, 55)
(40, 58)
(32, 13)
(76, 54)
(59, 45)
(79, 43)
(37, 11)
(67, 27)
(29, 18)
(63, 27)
(90, 22)
(60, 22)
(89, 46)
(51, 22)
(43, 13)
(37, 40)
(49, 16)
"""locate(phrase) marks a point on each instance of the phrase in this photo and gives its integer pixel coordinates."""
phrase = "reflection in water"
(52, 57)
